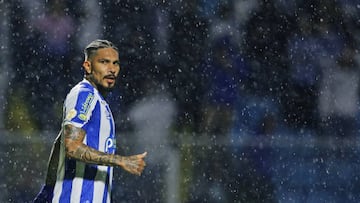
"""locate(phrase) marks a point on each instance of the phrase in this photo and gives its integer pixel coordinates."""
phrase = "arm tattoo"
(75, 148)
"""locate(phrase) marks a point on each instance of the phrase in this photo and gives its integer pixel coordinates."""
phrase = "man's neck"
(99, 88)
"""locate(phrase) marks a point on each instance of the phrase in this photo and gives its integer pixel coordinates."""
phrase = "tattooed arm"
(75, 148)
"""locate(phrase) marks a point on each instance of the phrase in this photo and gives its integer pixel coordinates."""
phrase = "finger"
(143, 154)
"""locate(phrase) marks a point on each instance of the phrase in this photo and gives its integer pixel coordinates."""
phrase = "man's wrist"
(117, 160)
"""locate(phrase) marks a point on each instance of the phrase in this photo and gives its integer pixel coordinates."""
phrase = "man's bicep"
(73, 133)
(73, 140)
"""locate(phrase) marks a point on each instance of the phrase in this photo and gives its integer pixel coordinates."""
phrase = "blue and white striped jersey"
(77, 181)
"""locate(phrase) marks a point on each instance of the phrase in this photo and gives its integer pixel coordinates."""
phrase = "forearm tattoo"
(75, 148)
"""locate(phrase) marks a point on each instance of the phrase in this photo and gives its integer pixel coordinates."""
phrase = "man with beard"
(81, 163)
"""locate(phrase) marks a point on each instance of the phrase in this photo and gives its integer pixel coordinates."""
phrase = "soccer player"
(80, 167)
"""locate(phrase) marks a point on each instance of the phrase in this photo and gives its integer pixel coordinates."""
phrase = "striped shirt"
(77, 181)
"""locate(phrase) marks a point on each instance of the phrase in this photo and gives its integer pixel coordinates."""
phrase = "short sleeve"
(78, 107)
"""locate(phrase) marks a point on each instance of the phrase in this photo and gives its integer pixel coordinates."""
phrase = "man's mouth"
(110, 78)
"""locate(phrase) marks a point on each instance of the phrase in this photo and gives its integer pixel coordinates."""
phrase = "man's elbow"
(71, 149)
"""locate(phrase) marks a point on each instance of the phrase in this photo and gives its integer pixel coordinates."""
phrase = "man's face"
(103, 68)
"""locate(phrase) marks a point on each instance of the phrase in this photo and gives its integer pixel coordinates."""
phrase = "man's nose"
(112, 68)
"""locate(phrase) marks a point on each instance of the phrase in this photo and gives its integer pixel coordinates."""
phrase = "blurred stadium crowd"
(239, 100)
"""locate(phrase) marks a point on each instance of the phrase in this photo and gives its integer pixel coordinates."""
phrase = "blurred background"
(234, 100)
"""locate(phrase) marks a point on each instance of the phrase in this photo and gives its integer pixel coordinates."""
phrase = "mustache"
(110, 76)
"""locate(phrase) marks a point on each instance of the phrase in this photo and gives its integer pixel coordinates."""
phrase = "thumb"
(143, 154)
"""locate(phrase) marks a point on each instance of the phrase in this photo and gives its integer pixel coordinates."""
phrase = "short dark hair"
(97, 44)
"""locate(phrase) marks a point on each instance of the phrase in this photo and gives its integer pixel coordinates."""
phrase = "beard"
(99, 86)
(105, 89)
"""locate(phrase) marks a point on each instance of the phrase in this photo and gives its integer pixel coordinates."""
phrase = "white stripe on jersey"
(99, 186)
(76, 191)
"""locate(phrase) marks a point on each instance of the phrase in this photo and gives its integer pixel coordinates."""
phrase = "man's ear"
(87, 67)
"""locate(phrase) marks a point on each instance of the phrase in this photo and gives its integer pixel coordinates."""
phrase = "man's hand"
(133, 164)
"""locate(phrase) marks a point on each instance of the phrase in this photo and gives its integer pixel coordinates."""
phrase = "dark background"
(244, 101)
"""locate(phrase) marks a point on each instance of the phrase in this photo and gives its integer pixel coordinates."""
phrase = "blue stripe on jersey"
(70, 165)
(106, 185)
(82, 106)
(92, 129)
(87, 190)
